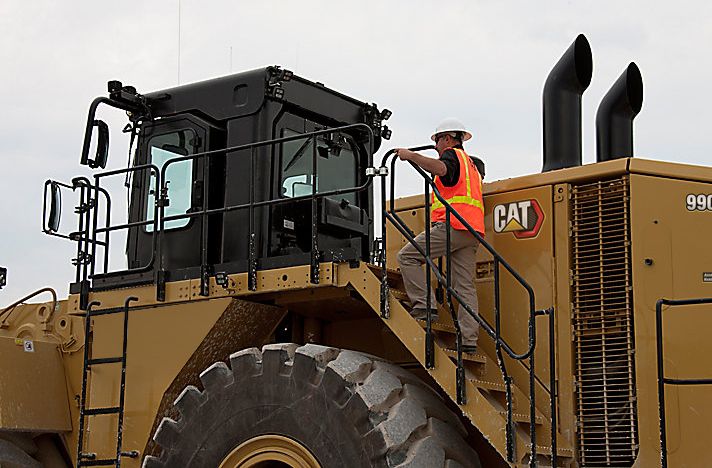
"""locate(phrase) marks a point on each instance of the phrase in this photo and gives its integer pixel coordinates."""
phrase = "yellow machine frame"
(665, 255)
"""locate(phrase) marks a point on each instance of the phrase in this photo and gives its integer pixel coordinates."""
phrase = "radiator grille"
(603, 325)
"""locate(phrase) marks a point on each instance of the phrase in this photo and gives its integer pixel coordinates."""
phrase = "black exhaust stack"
(562, 106)
(614, 119)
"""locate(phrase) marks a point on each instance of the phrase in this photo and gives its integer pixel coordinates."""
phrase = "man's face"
(443, 141)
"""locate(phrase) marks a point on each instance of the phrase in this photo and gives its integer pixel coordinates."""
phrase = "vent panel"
(603, 325)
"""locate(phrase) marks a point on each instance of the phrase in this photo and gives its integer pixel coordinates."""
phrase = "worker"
(459, 182)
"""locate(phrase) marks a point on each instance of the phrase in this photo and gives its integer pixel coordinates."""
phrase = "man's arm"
(434, 166)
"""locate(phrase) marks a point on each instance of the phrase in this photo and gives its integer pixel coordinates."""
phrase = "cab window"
(336, 165)
(179, 175)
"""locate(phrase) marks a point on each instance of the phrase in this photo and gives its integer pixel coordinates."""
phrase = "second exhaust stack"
(614, 119)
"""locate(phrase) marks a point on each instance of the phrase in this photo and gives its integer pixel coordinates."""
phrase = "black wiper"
(298, 154)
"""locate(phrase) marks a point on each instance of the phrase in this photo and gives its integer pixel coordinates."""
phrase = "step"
(546, 450)
(486, 413)
(523, 418)
(99, 462)
(97, 411)
(393, 274)
(89, 459)
(477, 357)
(487, 385)
(108, 360)
(438, 326)
(399, 294)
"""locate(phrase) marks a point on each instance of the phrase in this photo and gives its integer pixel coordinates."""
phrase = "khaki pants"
(463, 247)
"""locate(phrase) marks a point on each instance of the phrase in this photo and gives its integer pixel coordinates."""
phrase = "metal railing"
(662, 380)
(85, 235)
(88, 210)
(445, 281)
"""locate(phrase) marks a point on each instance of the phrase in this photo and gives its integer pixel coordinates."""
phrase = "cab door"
(181, 241)
(342, 223)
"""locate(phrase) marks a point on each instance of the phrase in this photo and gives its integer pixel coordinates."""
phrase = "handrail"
(108, 228)
(662, 380)
(9, 309)
(274, 141)
(500, 343)
(91, 116)
(313, 196)
(484, 243)
(89, 229)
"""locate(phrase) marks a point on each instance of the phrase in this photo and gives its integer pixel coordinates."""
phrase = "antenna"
(178, 41)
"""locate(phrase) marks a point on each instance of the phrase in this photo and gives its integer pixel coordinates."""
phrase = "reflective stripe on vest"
(465, 200)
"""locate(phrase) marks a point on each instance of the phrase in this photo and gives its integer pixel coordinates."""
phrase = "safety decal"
(522, 218)
(29, 346)
(707, 277)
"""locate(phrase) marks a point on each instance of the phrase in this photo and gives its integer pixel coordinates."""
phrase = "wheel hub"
(270, 451)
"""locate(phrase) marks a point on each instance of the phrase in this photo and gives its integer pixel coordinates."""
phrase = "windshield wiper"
(298, 154)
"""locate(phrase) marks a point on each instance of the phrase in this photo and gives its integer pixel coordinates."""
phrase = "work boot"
(421, 313)
(469, 348)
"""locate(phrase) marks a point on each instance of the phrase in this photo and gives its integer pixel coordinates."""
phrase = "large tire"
(17, 453)
(27, 450)
(347, 408)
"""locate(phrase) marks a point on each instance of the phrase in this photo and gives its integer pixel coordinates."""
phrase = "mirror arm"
(91, 118)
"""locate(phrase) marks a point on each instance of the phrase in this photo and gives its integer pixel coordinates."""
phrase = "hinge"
(377, 171)
(84, 288)
(83, 258)
(161, 278)
(84, 207)
(205, 271)
(559, 193)
(162, 200)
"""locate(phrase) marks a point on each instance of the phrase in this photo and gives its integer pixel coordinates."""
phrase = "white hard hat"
(452, 125)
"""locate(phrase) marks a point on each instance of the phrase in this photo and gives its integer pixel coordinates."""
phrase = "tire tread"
(392, 409)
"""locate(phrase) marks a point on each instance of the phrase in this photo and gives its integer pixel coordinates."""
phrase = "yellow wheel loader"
(255, 315)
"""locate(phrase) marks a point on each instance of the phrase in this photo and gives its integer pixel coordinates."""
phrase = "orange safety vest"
(465, 197)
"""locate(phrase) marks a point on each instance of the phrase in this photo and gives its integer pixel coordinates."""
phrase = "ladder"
(88, 458)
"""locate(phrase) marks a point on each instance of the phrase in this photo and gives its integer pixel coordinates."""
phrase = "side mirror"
(102, 145)
(51, 223)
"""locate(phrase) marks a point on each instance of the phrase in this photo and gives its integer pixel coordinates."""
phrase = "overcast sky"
(483, 62)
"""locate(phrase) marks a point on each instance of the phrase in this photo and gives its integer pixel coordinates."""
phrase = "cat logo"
(522, 218)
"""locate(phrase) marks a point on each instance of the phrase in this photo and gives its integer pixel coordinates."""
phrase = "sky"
(484, 62)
